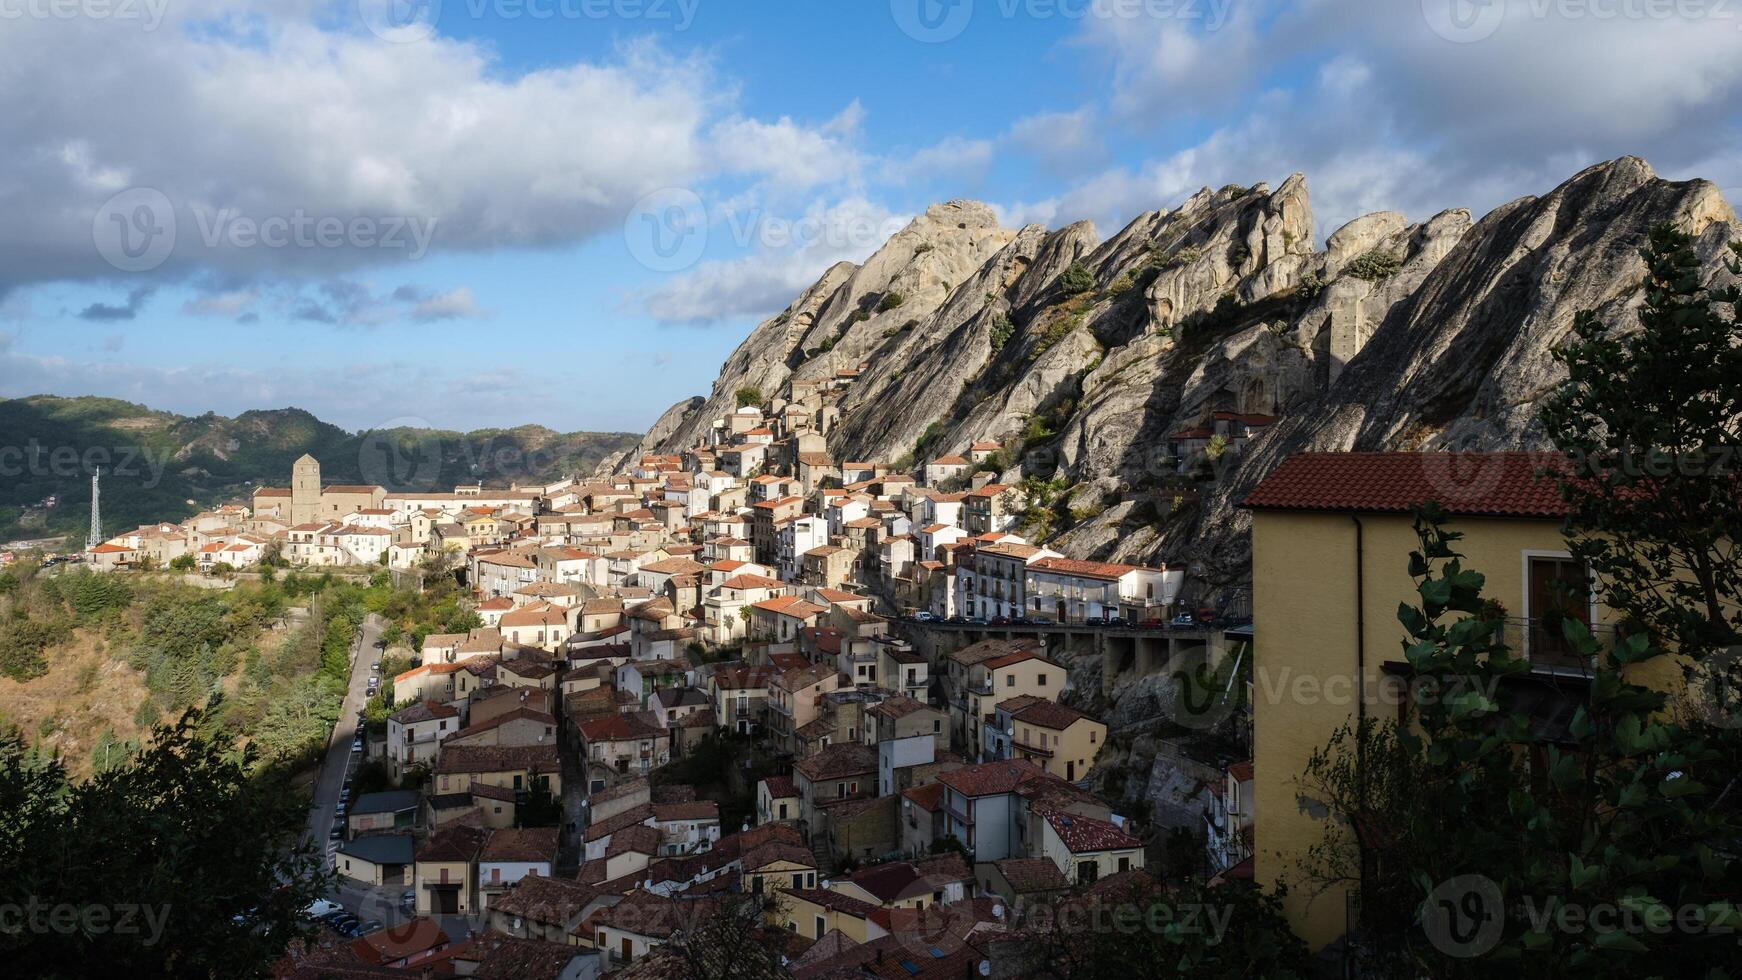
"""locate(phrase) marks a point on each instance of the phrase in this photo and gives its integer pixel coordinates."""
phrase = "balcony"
(1540, 640)
(1033, 750)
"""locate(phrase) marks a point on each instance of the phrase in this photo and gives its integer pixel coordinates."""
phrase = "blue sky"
(487, 174)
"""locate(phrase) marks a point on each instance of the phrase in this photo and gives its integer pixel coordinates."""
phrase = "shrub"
(1002, 328)
(1076, 279)
(1375, 265)
(749, 395)
(1121, 285)
(890, 301)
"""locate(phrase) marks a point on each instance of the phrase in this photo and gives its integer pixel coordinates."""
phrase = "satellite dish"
(985, 968)
(998, 911)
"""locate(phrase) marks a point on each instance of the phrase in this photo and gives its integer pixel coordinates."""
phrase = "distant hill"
(161, 466)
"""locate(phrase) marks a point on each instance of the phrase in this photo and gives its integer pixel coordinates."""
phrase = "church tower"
(305, 490)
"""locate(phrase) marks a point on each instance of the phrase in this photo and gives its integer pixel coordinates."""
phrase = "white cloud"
(1063, 142)
(243, 108)
(765, 280)
(455, 304)
(227, 304)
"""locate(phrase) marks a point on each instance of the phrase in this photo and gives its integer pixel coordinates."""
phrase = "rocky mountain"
(1093, 361)
(162, 466)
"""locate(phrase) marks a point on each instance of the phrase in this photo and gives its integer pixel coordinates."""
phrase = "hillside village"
(752, 600)
(845, 693)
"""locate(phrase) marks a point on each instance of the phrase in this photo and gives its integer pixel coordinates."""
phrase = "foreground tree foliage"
(1591, 831)
(180, 861)
(1132, 926)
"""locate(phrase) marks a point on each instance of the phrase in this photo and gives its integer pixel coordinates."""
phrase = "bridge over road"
(1137, 650)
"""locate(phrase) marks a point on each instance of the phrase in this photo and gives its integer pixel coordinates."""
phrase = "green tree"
(1232, 930)
(185, 853)
(748, 395)
(1076, 279)
(1650, 420)
(182, 563)
(1617, 811)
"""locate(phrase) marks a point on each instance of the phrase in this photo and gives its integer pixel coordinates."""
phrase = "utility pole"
(95, 537)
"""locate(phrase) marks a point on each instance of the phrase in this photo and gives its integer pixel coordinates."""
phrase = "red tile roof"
(991, 778)
(1082, 834)
(1472, 484)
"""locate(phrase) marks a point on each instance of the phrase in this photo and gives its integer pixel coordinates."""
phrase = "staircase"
(824, 860)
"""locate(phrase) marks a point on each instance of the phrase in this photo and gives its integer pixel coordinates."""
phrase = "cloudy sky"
(491, 212)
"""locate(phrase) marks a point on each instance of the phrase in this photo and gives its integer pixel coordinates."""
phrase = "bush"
(22, 642)
(1002, 328)
(1121, 285)
(749, 395)
(890, 301)
(1076, 279)
(1378, 264)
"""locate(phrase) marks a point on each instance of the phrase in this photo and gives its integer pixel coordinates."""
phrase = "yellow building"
(1331, 538)
(1058, 739)
(813, 912)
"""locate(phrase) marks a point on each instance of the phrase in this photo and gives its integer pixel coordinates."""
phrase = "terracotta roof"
(638, 839)
(1029, 875)
(618, 727)
(637, 816)
(1049, 714)
(693, 810)
(840, 759)
(780, 787)
(1084, 569)
(790, 605)
(521, 844)
(544, 899)
(498, 758)
(833, 900)
(459, 842)
(990, 778)
(1081, 833)
(423, 711)
(1513, 484)
(1241, 771)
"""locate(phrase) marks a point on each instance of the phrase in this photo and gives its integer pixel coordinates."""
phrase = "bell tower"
(305, 490)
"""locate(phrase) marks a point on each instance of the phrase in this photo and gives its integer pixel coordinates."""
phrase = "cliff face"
(1436, 335)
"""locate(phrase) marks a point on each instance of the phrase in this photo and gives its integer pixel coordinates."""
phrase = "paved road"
(339, 760)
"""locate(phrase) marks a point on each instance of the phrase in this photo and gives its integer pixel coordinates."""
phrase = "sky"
(481, 213)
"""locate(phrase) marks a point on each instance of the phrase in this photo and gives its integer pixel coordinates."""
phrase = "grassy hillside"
(161, 466)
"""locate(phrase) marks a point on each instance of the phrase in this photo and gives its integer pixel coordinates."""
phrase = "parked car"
(369, 926)
(999, 621)
(1040, 621)
(408, 900)
(1185, 620)
(1019, 621)
(376, 666)
(924, 617)
(320, 907)
(976, 621)
(338, 832)
(344, 924)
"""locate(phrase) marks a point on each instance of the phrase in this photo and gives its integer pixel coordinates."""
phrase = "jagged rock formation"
(1395, 335)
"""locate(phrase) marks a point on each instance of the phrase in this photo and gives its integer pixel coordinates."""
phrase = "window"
(821, 925)
(1124, 864)
(811, 880)
(798, 880)
(936, 726)
(1009, 680)
(1087, 872)
(1558, 589)
(1040, 680)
